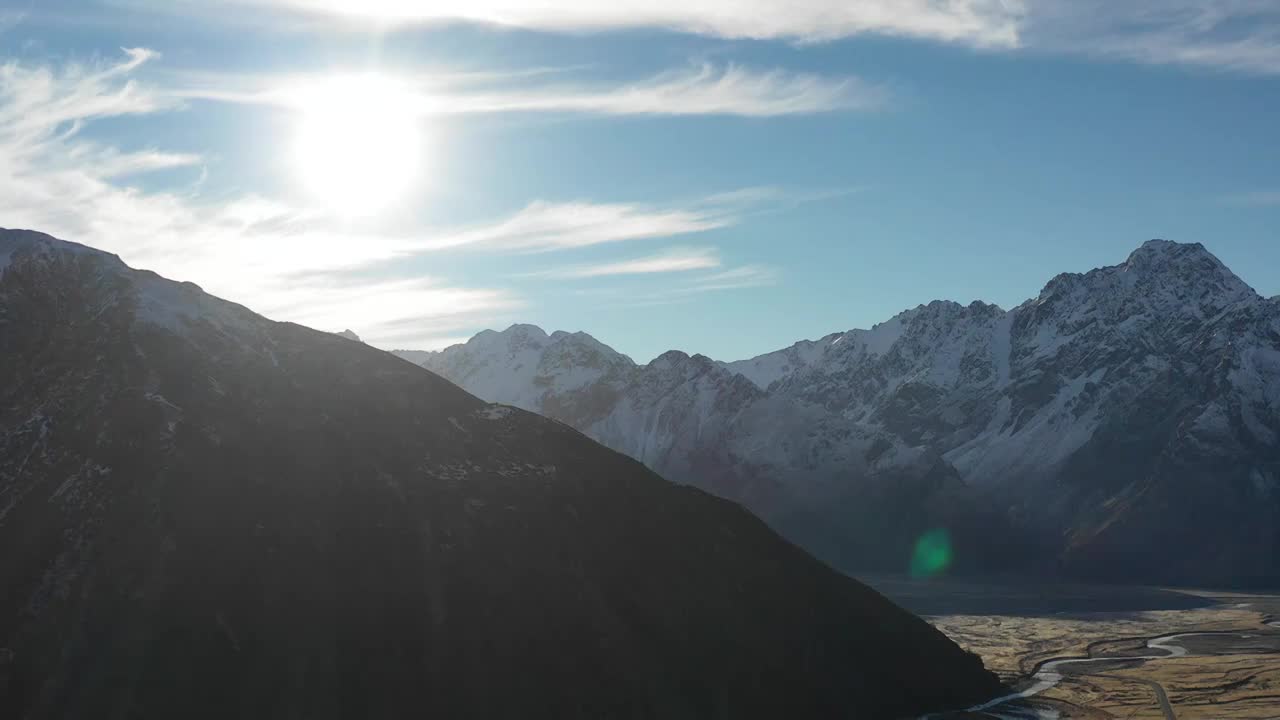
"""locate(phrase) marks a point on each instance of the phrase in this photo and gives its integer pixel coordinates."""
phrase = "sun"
(357, 147)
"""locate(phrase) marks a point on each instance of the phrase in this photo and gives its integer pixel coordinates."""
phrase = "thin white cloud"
(53, 179)
(291, 263)
(747, 276)
(426, 306)
(700, 90)
(737, 278)
(703, 89)
(1256, 198)
(110, 163)
(548, 227)
(981, 23)
(545, 226)
(1237, 35)
(667, 261)
(40, 107)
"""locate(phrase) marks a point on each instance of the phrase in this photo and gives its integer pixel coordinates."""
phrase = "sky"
(712, 176)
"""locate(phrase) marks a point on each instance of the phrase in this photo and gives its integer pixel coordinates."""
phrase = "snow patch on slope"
(1038, 445)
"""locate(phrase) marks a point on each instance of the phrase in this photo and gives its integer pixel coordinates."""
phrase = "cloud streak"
(747, 276)
(669, 261)
(981, 23)
(291, 263)
(703, 89)
(700, 90)
(54, 179)
(1233, 35)
(1256, 198)
(545, 226)
(738, 278)
(548, 227)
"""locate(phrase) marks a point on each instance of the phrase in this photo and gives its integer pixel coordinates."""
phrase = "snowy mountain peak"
(979, 306)
(587, 341)
(29, 242)
(1179, 260)
(488, 345)
(523, 330)
(948, 311)
(1160, 279)
(512, 339)
(522, 365)
(669, 359)
(1158, 249)
(151, 299)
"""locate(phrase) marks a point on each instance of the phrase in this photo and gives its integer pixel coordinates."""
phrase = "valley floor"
(1076, 651)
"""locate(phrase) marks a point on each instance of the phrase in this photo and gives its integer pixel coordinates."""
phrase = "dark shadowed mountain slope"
(206, 514)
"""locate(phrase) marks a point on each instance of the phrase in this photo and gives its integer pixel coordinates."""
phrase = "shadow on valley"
(1030, 598)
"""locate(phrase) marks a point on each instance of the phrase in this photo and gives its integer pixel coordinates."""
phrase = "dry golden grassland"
(1223, 677)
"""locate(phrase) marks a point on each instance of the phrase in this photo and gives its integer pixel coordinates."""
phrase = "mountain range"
(1123, 424)
(207, 514)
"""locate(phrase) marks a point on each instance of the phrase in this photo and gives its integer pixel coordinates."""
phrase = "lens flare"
(932, 554)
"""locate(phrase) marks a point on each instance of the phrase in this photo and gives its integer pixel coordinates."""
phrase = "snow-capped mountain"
(856, 496)
(204, 513)
(1121, 408)
(1129, 417)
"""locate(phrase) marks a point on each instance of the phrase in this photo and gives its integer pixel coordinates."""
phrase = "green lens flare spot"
(932, 554)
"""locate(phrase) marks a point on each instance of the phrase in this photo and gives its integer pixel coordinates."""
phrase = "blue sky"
(719, 177)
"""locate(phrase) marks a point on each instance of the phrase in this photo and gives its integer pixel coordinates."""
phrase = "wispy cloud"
(737, 278)
(1256, 198)
(983, 23)
(747, 276)
(701, 89)
(297, 263)
(544, 226)
(549, 227)
(1237, 35)
(667, 261)
(54, 179)
(433, 306)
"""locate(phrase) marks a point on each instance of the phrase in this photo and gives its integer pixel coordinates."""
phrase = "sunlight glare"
(357, 147)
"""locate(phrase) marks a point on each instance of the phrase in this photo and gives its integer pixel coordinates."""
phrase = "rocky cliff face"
(206, 514)
(1126, 421)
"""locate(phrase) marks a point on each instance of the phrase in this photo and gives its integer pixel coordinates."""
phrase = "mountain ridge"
(1055, 413)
